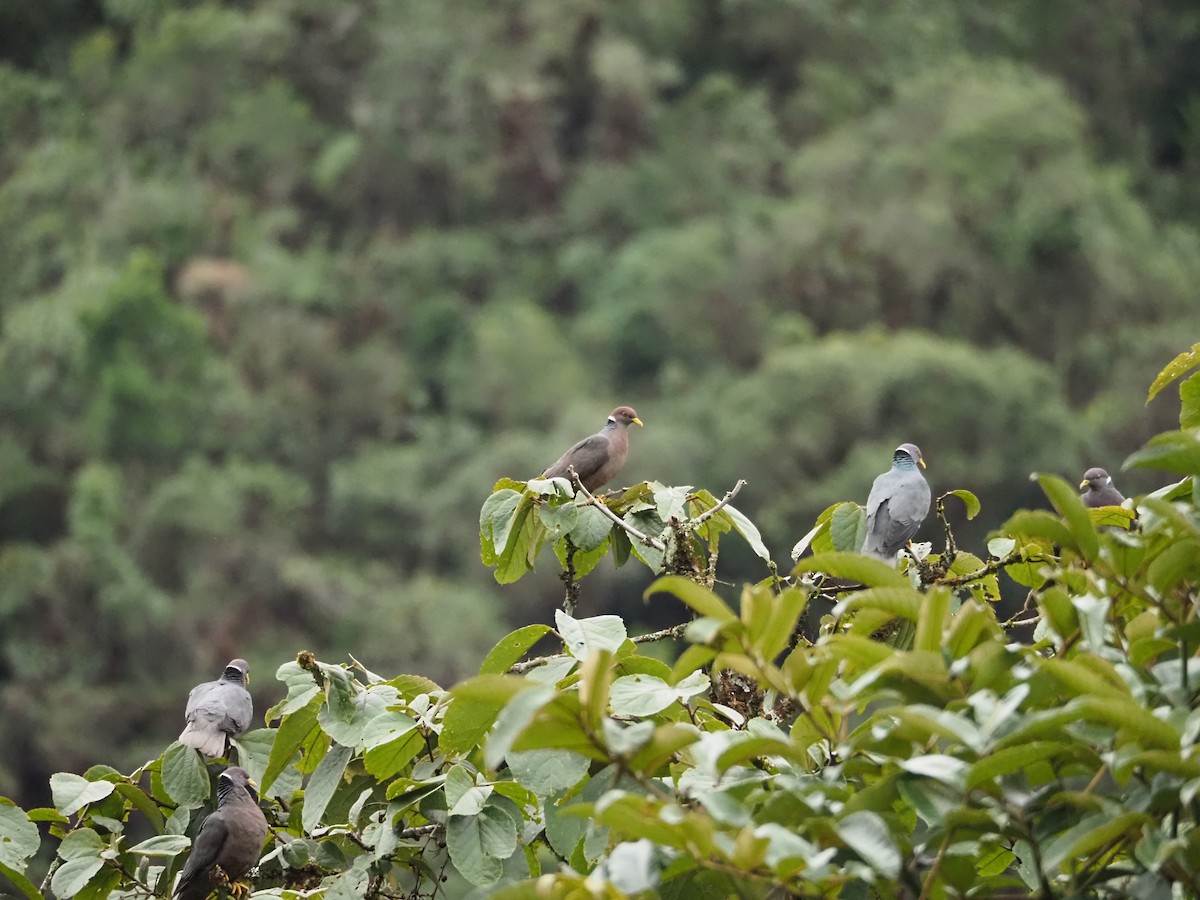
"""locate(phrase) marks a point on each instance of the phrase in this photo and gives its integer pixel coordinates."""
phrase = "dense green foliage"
(289, 284)
(910, 749)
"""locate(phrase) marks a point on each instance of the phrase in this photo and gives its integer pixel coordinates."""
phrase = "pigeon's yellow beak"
(921, 462)
(636, 421)
(1083, 484)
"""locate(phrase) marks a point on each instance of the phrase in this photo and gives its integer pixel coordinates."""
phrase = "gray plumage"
(218, 710)
(897, 505)
(598, 459)
(231, 837)
(1098, 490)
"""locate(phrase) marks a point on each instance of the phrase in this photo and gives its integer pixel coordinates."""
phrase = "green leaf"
(749, 531)
(592, 528)
(513, 719)
(19, 838)
(322, 785)
(1171, 451)
(864, 569)
(702, 600)
(73, 792)
(560, 519)
(867, 835)
(294, 731)
(496, 519)
(1176, 368)
(473, 708)
(478, 844)
(547, 772)
(645, 695)
(162, 845)
(347, 722)
(301, 685)
(385, 760)
(848, 527)
(895, 601)
(254, 750)
(969, 499)
(1112, 517)
(80, 851)
(1089, 835)
(511, 648)
(524, 540)
(998, 763)
(1065, 499)
(71, 877)
(21, 882)
(585, 636)
(1189, 396)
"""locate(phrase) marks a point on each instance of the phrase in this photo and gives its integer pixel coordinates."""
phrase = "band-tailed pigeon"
(897, 505)
(1098, 490)
(231, 837)
(218, 710)
(598, 459)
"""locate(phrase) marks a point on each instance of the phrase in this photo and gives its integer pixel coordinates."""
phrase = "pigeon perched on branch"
(1098, 490)
(218, 710)
(229, 841)
(897, 505)
(598, 459)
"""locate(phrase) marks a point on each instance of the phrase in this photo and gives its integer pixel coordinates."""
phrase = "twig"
(665, 635)
(644, 538)
(419, 831)
(571, 600)
(724, 501)
(989, 568)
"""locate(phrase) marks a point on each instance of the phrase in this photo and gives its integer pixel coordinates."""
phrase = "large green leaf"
(848, 527)
(301, 687)
(749, 531)
(184, 776)
(513, 719)
(591, 528)
(863, 569)
(867, 835)
(19, 838)
(968, 499)
(699, 598)
(474, 705)
(81, 854)
(21, 882)
(294, 731)
(162, 845)
(1189, 396)
(1172, 451)
(547, 772)
(1090, 835)
(73, 792)
(323, 783)
(511, 648)
(1176, 368)
(645, 695)
(478, 844)
(1065, 499)
(496, 519)
(585, 636)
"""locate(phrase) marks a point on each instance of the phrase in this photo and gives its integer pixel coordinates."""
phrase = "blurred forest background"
(286, 285)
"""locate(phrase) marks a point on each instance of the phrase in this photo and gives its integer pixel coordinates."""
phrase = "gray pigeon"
(897, 505)
(218, 710)
(231, 837)
(1098, 490)
(598, 459)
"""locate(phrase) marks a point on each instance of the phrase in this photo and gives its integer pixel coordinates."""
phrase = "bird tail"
(210, 743)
